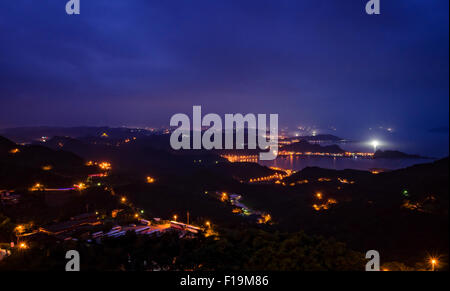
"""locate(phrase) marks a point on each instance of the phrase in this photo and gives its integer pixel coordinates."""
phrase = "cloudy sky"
(315, 62)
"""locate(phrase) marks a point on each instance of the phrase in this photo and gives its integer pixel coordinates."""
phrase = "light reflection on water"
(300, 162)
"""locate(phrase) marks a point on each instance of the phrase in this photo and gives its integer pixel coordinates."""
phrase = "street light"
(433, 262)
(175, 217)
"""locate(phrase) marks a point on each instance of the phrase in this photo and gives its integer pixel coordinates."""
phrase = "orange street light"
(14, 151)
(80, 186)
(433, 262)
(175, 217)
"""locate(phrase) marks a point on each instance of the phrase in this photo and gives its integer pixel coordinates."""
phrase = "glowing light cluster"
(80, 186)
(241, 159)
(345, 181)
(105, 166)
(37, 187)
(47, 168)
(326, 205)
(14, 151)
(224, 197)
(265, 218)
(276, 176)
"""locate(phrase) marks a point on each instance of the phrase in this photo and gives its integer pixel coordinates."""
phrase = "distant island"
(379, 154)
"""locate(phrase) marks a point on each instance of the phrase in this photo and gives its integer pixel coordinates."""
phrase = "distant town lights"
(375, 144)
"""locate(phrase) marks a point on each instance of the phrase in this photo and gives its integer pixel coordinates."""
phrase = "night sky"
(322, 63)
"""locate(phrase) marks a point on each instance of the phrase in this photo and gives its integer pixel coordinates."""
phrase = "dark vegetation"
(236, 250)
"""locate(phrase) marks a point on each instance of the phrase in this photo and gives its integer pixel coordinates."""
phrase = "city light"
(19, 229)
(265, 218)
(14, 151)
(224, 197)
(276, 176)
(325, 206)
(80, 186)
(105, 166)
(241, 158)
(37, 187)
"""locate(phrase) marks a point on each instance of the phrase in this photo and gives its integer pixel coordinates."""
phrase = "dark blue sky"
(315, 62)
